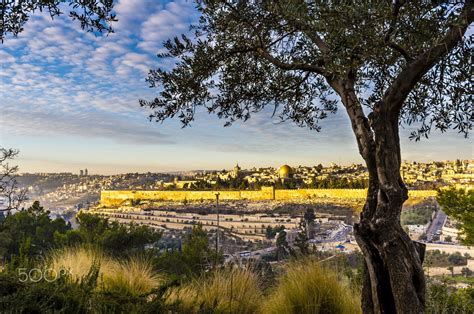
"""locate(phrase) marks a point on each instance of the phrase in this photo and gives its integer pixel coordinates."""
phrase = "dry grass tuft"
(77, 261)
(233, 290)
(307, 287)
(133, 276)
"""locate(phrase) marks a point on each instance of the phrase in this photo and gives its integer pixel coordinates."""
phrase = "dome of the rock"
(285, 171)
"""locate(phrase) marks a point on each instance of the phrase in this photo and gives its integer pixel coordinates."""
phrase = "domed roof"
(285, 171)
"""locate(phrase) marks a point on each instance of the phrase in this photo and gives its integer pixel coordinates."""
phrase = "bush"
(306, 287)
(30, 232)
(66, 295)
(62, 295)
(441, 299)
(233, 290)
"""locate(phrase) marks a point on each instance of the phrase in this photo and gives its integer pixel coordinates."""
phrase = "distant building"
(81, 172)
(235, 172)
(285, 172)
(86, 172)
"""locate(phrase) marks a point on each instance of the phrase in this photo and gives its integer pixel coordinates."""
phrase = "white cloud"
(5, 58)
(173, 20)
(25, 120)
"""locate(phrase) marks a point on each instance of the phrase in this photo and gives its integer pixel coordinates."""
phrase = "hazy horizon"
(76, 171)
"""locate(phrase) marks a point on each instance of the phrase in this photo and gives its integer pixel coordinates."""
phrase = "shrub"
(442, 299)
(233, 290)
(307, 287)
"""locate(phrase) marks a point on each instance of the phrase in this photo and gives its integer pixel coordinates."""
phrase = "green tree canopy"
(112, 236)
(195, 257)
(30, 232)
(459, 204)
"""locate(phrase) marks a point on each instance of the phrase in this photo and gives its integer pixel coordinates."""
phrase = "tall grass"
(231, 290)
(304, 287)
(77, 262)
(133, 276)
(307, 287)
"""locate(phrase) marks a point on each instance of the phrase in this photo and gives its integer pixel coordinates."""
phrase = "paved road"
(436, 224)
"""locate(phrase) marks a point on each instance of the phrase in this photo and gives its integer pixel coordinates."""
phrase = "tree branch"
(397, 5)
(261, 50)
(400, 50)
(305, 28)
(288, 66)
(388, 41)
(403, 84)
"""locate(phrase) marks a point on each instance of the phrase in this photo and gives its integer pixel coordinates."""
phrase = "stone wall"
(114, 198)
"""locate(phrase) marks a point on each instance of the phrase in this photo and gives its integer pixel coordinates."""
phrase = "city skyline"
(69, 101)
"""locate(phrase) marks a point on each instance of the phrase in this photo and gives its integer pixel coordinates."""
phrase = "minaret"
(236, 171)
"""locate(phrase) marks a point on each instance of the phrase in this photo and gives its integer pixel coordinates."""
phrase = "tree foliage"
(93, 15)
(30, 232)
(443, 299)
(113, 237)
(195, 257)
(286, 54)
(271, 232)
(459, 204)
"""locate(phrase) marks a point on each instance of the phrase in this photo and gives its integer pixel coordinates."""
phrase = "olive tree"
(386, 63)
(93, 15)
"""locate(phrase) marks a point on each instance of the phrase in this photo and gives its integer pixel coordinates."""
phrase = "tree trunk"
(394, 281)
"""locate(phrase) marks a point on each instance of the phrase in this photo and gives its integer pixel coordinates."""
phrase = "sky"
(69, 101)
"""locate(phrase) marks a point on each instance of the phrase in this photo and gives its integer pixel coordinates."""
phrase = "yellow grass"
(77, 261)
(304, 287)
(233, 290)
(307, 287)
(133, 276)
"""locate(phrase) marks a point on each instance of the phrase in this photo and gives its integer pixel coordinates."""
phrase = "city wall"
(115, 198)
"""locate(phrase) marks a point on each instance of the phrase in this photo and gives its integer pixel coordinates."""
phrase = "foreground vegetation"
(105, 267)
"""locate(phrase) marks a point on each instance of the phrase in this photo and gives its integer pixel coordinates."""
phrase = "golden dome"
(285, 171)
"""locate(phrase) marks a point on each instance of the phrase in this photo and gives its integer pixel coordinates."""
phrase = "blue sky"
(69, 100)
